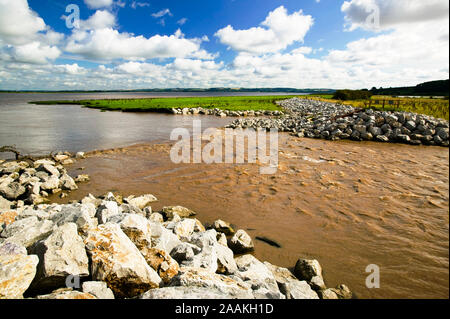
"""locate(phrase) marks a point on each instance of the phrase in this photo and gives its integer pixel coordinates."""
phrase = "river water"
(347, 204)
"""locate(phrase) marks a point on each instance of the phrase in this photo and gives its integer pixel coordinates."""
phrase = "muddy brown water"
(347, 204)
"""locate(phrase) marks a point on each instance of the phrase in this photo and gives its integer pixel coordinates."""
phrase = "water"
(41, 129)
(348, 204)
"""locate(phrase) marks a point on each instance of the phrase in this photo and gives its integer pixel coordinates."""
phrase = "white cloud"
(136, 4)
(392, 13)
(24, 36)
(162, 13)
(110, 44)
(96, 4)
(277, 31)
(35, 52)
(99, 20)
(182, 21)
(18, 23)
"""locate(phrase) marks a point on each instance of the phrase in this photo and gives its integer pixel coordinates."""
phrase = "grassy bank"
(438, 108)
(232, 103)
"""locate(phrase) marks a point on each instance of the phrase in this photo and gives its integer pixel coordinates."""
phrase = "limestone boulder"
(60, 255)
(118, 262)
(17, 270)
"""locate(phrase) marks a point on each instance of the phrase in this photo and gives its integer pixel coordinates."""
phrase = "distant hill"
(433, 88)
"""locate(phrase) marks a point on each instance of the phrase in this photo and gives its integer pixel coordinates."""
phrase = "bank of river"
(347, 204)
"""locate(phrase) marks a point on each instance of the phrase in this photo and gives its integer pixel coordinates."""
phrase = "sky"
(127, 44)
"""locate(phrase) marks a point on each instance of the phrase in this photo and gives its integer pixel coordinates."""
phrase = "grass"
(438, 108)
(232, 103)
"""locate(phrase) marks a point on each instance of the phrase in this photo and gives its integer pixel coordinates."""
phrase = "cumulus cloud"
(96, 4)
(99, 20)
(18, 23)
(276, 32)
(24, 36)
(392, 13)
(110, 44)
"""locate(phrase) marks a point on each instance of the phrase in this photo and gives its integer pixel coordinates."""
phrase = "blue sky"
(228, 43)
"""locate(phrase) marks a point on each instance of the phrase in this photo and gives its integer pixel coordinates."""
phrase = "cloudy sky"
(125, 44)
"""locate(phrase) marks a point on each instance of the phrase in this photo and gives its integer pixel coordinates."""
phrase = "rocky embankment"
(317, 119)
(224, 113)
(32, 181)
(114, 247)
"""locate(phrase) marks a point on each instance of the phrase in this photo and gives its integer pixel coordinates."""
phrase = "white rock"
(116, 261)
(99, 289)
(17, 270)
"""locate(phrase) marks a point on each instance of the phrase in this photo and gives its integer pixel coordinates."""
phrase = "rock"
(49, 168)
(80, 155)
(138, 229)
(60, 157)
(317, 283)
(52, 183)
(183, 212)
(68, 161)
(107, 210)
(241, 242)
(222, 239)
(99, 289)
(162, 263)
(67, 293)
(202, 278)
(403, 138)
(156, 217)
(141, 201)
(130, 209)
(67, 183)
(17, 270)
(163, 238)
(225, 260)
(327, 294)
(6, 218)
(117, 261)
(12, 191)
(43, 162)
(82, 178)
(184, 228)
(27, 231)
(184, 252)
(60, 255)
(289, 285)
(382, 138)
(185, 293)
(207, 258)
(255, 273)
(92, 200)
(306, 269)
(343, 292)
(223, 227)
(4, 204)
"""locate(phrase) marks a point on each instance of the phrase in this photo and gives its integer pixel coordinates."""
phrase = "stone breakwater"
(113, 247)
(32, 181)
(317, 119)
(224, 113)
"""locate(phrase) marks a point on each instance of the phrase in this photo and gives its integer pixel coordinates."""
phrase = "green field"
(233, 103)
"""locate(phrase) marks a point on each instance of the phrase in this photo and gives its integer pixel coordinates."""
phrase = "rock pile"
(317, 119)
(114, 247)
(224, 113)
(31, 181)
